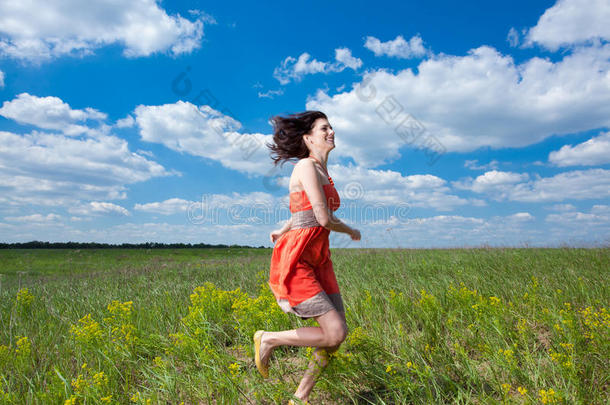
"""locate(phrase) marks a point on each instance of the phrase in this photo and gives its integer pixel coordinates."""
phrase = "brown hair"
(288, 134)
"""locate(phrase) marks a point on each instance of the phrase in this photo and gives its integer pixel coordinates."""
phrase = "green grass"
(426, 326)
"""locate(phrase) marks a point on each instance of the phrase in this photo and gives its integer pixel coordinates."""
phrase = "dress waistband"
(304, 219)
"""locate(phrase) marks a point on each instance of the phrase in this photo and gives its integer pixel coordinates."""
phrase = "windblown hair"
(288, 134)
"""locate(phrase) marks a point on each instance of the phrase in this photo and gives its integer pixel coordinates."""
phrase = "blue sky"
(456, 124)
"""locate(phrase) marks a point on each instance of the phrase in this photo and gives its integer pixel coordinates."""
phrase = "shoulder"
(305, 161)
(305, 164)
(305, 169)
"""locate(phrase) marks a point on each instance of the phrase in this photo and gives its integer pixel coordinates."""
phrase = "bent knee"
(336, 336)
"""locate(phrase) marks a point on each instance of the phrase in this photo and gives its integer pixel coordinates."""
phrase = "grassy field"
(459, 326)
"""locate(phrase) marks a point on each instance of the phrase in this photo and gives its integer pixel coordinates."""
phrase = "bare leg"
(316, 365)
(332, 332)
(326, 339)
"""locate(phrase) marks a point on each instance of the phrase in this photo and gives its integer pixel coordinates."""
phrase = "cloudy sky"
(457, 124)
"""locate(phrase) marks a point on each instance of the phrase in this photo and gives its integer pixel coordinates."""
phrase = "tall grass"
(426, 326)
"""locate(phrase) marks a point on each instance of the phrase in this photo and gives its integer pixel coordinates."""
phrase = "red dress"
(301, 274)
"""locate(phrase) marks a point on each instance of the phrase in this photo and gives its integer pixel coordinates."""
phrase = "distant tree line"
(94, 245)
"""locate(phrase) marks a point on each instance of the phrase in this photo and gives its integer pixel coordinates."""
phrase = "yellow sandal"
(264, 370)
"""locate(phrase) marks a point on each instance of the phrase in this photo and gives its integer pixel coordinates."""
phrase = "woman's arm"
(335, 224)
(315, 193)
(275, 235)
(308, 176)
(287, 226)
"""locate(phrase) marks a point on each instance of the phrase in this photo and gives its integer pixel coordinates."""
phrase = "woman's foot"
(263, 368)
(266, 349)
(262, 352)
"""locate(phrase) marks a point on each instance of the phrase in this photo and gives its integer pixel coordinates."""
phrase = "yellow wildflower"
(234, 368)
(158, 361)
(79, 384)
(71, 401)
(24, 297)
(100, 379)
(24, 347)
(547, 396)
(390, 370)
(87, 330)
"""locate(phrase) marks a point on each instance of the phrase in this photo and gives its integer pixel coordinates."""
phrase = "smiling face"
(321, 137)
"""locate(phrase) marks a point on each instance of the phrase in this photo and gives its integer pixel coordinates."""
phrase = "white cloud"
(167, 207)
(50, 169)
(237, 209)
(522, 216)
(126, 122)
(579, 218)
(344, 56)
(203, 16)
(203, 131)
(577, 185)
(388, 188)
(571, 22)
(474, 165)
(462, 103)
(562, 207)
(49, 113)
(292, 69)
(295, 69)
(99, 208)
(39, 30)
(79, 219)
(359, 186)
(270, 93)
(41, 168)
(1, 79)
(436, 231)
(447, 219)
(601, 209)
(594, 225)
(453, 231)
(595, 151)
(513, 37)
(495, 182)
(245, 234)
(398, 47)
(39, 218)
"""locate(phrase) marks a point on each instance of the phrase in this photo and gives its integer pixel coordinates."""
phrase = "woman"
(301, 274)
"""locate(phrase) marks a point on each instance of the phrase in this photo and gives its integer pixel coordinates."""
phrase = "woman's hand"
(355, 234)
(275, 235)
